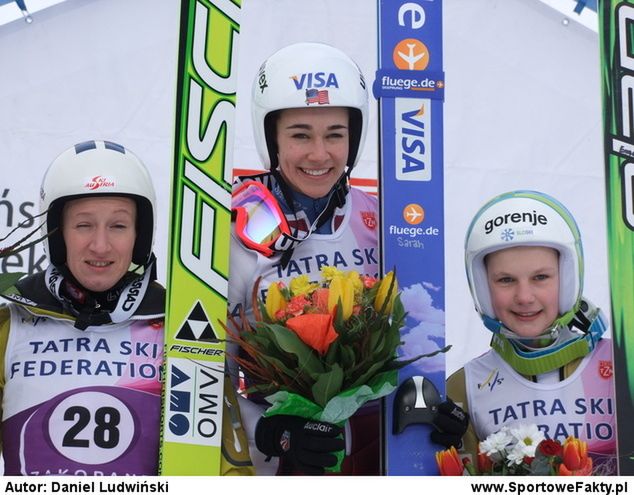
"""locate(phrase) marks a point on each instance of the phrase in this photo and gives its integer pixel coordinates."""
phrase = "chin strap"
(85, 306)
(569, 344)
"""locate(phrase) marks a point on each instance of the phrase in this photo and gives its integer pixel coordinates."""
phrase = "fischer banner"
(198, 241)
(616, 33)
(410, 87)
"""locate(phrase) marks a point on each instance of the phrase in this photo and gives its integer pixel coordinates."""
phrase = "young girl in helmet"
(82, 342)
(310, 115)
(548, 364)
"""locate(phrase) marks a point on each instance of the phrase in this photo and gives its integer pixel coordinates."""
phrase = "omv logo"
(180, 400)
(194, 412)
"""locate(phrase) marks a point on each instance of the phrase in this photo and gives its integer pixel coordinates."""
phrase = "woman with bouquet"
(549, 365)
(310, 116)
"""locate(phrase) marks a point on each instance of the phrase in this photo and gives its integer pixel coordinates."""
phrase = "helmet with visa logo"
(97, 168)
(302, 75)
(524, 218)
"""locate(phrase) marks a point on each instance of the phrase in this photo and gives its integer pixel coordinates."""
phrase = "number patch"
(91, 427)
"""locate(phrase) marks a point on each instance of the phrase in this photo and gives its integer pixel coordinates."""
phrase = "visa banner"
(410, 86)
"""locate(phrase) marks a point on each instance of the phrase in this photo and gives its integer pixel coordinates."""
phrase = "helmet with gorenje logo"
(302, 75)
(97, 168)
(524, 218)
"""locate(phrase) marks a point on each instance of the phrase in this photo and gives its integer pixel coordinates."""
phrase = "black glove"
(305, 444)
(451, 423)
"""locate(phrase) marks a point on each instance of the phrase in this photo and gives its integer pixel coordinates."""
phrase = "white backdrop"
(522, 108)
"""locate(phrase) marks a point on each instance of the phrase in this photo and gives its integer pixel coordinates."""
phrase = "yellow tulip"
(382, 293)
(274, 300)
(357, 284)
(341, 289)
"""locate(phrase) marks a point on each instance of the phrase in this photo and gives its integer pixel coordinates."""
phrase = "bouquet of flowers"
(320, 350)
(520, 451)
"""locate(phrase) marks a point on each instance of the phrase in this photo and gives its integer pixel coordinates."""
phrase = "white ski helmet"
(97, 168)
(524, 218)
(305, 74)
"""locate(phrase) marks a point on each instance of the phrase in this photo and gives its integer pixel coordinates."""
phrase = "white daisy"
(516, 455)
(495, 444)
(527, 438)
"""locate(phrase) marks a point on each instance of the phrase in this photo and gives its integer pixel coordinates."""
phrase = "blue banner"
(410, 87)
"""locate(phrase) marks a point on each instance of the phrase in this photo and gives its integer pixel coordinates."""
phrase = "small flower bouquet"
(320, 350)
(520, 451)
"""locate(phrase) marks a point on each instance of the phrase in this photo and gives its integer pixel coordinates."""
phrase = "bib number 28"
(91, 427)
(106, 431)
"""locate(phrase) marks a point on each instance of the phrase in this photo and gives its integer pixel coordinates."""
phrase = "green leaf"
(398, 310)
(289, 342)
(366, 375)
(328, 385)
(397, 364)
(289, 371)
(347, 357)
(8, 280)
(540, 466)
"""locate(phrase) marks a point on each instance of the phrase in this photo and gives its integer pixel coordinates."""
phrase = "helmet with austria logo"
(97, 168)
(302, 75)
(524, 218)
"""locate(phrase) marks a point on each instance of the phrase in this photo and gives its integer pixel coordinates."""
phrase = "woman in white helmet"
(549, 364)
(83, 341)
(310, 116)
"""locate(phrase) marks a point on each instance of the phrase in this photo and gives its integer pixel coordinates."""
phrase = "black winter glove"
(451, 423)
(305, 444)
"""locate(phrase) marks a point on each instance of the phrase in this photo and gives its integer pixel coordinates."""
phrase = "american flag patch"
(285, 441)
(317, 96)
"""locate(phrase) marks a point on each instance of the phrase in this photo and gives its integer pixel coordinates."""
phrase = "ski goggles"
(259, 220)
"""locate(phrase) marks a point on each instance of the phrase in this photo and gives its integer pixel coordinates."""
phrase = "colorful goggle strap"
(590, 321)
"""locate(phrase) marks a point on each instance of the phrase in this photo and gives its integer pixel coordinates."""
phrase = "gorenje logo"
(315, 80)
(413, 140)
(531, 218)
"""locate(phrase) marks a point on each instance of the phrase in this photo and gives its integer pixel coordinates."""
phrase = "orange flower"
(368, 282)
(315, 330)
(449, 463)
(575, 458)
(296, 305)
(320, 300)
